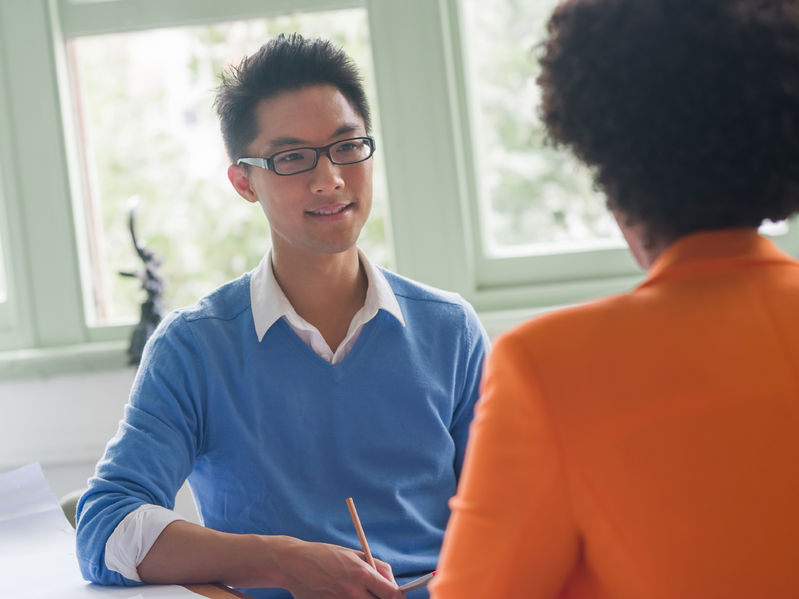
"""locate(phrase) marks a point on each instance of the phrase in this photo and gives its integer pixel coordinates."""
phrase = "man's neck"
(325, 289)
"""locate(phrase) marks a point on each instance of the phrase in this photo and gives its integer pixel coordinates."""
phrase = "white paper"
(37, 547)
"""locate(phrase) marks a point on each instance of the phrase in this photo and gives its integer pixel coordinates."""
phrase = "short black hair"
(687, 110)
(285, 63)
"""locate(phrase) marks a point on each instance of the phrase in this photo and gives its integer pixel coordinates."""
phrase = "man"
(315, 377)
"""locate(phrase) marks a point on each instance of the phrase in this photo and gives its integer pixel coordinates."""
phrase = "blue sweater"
(273, 438)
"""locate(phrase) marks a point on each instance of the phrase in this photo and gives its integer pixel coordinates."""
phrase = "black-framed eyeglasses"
(299, 160)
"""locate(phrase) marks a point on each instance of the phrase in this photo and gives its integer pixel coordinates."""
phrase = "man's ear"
(240, 180)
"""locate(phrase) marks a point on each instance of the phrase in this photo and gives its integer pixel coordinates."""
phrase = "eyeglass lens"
(347, 151)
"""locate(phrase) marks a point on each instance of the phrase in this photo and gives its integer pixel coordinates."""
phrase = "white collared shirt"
(269, 304)
(135, 535)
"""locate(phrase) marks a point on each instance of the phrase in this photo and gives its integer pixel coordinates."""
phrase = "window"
(533, 199)
(3, 284)
(111, 101)
(543, 234)
(8, 308)
(147, 133)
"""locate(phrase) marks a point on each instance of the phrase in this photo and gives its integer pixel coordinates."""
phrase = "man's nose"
(326, 176)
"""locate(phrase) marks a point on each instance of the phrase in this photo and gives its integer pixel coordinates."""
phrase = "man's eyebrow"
(286, 141)
(349, 128)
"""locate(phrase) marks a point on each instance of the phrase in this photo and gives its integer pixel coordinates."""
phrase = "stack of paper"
(37, 547)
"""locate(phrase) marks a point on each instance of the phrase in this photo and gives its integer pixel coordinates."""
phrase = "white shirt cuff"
(133, 538)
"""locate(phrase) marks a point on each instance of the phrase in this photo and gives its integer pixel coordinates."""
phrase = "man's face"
(320, 211)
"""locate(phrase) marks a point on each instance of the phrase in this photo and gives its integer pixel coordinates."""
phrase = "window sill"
(52, 361)
(43, 363)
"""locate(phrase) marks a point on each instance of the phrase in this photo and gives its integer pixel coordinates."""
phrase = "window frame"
(8, 307)
(542, 280)
(43, 296)
(422, 86)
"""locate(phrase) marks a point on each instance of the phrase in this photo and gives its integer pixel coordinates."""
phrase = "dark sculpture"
(152, 310)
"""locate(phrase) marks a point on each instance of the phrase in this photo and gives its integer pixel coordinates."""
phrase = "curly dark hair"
(285, 63)
(687, 110)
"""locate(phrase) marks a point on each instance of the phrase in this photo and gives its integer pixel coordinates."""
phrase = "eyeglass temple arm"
(260, 162)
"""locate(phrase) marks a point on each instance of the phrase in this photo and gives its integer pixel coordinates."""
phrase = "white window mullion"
(413, 67)
(42, 195)
(15, 317)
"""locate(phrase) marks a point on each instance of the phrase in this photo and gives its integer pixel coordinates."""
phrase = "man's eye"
(290, 157)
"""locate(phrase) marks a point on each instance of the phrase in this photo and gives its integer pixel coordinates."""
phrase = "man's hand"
(187, 553)
(320, 570)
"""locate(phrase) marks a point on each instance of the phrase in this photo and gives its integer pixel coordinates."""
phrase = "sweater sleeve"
(477, 345)
(511, 533)
(151, 454)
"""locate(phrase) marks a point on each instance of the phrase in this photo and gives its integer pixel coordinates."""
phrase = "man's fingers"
(383, 586)
(385, 570)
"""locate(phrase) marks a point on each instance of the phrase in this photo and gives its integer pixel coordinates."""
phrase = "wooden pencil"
(359, 530)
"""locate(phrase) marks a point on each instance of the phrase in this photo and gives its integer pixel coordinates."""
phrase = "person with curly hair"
(647, 444)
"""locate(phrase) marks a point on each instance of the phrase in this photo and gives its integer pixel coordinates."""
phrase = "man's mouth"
(329, 210)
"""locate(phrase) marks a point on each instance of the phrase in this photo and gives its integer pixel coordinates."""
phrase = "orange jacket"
(642, 446)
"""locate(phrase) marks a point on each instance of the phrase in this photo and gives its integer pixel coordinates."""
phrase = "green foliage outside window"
(534, 195)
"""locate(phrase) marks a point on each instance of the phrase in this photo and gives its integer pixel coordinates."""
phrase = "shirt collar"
(705, 249)
(270, 304)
